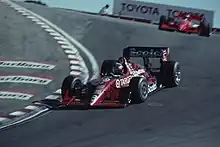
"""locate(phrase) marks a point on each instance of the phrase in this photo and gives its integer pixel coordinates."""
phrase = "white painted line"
(25, 119)
(61, 32)
(72, 57)
(64, 42)
(25, 14)
(17, 113)
(50, 30)
(52, 97)
(40, 23)
(91, 58)
(16, 8)
(21, 11)
(74, 62)
(35, 20)
(75, 73)
(69, 52)
(31, 107)
(3, 118)
(55, 34)
(69, 47)
(58, 91)
(45, 26)
(60, 38)
(31, 17)
(75, 68)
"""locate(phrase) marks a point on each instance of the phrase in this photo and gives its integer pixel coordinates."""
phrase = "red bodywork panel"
(192, 17)
(185, 26)
(107, 89)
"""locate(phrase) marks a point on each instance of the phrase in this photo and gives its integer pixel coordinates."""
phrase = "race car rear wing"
(146, 52)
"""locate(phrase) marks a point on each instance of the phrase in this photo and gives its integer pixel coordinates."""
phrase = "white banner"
(153, 11)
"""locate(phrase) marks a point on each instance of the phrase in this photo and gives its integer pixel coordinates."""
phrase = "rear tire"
(87, 92)
(171, 75)
(204, 30)
(139, 90)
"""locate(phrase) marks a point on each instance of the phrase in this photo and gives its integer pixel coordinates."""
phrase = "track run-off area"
(185, 116)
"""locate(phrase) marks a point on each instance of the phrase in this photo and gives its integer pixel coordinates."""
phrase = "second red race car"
(186, 23)
(123, 82)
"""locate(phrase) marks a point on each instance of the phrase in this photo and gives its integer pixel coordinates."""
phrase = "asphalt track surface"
(21, 39)
(187, 116)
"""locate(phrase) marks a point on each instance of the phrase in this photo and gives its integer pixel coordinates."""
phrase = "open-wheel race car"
(123, 82)
(186, 23)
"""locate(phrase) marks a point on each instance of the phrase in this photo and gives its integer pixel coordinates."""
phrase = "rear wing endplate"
(146, 52)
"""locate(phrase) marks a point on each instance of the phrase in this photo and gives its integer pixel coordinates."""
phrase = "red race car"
(185, 23)
(123, 82)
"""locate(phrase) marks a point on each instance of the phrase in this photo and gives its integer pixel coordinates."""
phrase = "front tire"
(139, 89)
(125, 96)
(204, 30)
(71, 85)
(162, 20)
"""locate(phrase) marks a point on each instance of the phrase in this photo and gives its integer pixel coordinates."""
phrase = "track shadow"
(56, 105)
(84, 108)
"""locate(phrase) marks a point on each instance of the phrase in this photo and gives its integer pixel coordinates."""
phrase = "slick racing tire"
(86, 93)
(204, 30)
(125, 96)
(171, 75)
(162, 20)
(70, 84)
(139, 90)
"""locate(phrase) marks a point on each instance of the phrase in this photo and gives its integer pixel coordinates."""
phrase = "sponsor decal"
(26, 64)
(175, 12)
(138, 72)
(146, 53)
(152, 88)
(124, 82)
(24, 79)
(140, 9)
(15, 95)
(165, 55)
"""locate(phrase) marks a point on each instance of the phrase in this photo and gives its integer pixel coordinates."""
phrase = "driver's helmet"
(117, 69)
